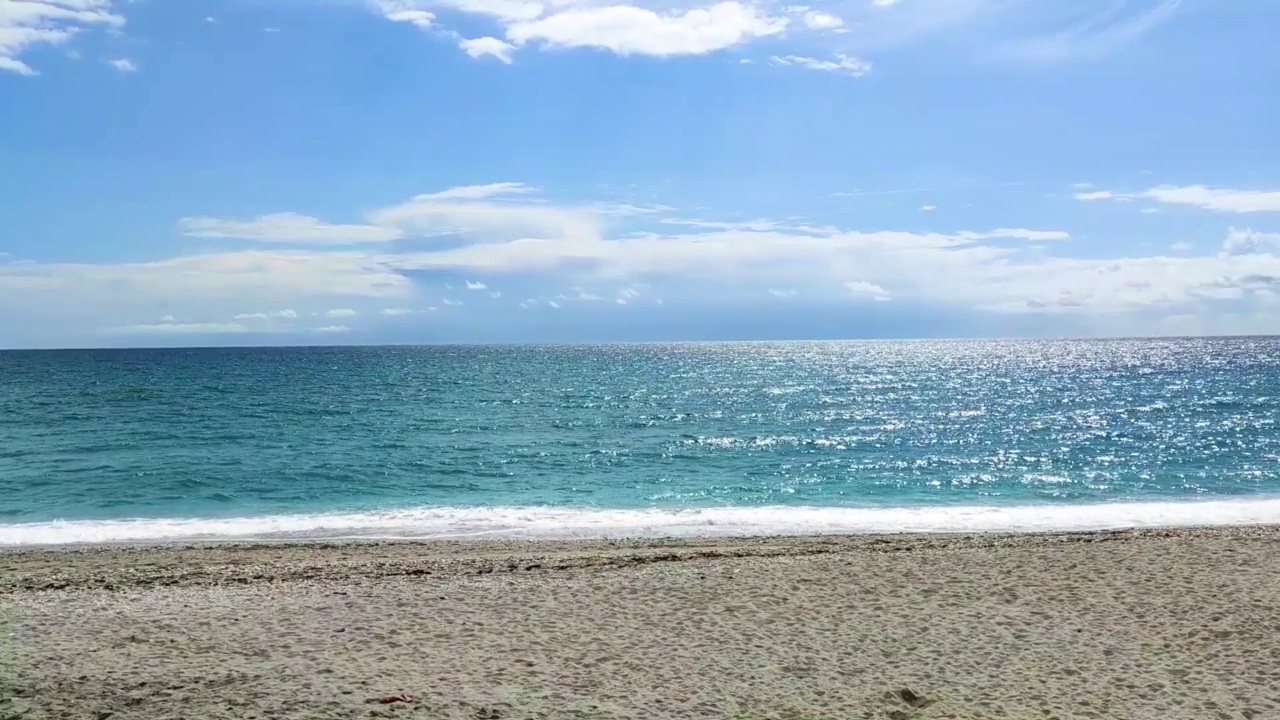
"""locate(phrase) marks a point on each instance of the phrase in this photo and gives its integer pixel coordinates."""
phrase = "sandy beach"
(1142, 624)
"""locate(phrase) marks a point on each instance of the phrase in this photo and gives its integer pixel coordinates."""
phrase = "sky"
(244, 172)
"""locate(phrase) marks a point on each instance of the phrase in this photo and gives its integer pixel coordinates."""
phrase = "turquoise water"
(161, 444)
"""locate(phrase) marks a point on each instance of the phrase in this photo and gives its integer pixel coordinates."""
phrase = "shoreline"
(482, 523)
(1174, 623)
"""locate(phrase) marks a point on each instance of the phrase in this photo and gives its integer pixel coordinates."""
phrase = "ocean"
(630, 440)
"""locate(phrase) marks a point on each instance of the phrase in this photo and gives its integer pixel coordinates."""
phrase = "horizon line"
(597, 343)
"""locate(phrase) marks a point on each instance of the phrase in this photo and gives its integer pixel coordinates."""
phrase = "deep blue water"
(104, 435)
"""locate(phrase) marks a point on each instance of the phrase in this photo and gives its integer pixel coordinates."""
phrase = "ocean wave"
(551, 522)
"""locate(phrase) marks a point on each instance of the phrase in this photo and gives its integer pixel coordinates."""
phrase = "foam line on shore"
(552, 522)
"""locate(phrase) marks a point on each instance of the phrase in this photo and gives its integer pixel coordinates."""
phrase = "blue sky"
(357, 171)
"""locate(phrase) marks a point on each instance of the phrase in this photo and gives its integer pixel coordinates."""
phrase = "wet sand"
(1150, 624)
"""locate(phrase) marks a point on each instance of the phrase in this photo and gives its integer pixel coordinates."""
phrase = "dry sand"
(1143, 625)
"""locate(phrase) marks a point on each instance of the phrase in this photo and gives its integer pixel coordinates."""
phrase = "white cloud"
(448, 301)
(124, 65)
(957, 269)
(864, 193)
(72, 299)
(502, 10)
(180, 328)
(864, 289)
(273, 315)
(928, 208)
(629, 209)
(692, 254)
(647, 27)
(581, 295)
(341, 313)
(246, 275)
(758, 225)
(1244, 241)
(495, 294)
(490, 213)
(1220, 200)
(476, 285)
(286, 227)
(479, 192)
(1201, 196)
(332, 329)
(396, 312)
(406, 11)
(555, 305)
(629, 30)
(783, 293)
(705, 260)
(1017, 234)
(818, 20)
(488, 46)
(25, 24)
(841, 64)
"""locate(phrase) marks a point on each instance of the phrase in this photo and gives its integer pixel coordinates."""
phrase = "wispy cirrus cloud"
(286, 227)
(287, 314)
(479, 192)
(496, 211)
(1017, 234)
(839, 64)
(178, 328)
(490, 212)
(1093, 35)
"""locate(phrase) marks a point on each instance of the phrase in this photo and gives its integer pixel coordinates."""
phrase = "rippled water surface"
(244, 432)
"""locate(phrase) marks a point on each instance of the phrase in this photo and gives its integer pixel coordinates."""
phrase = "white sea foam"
(544, 522)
